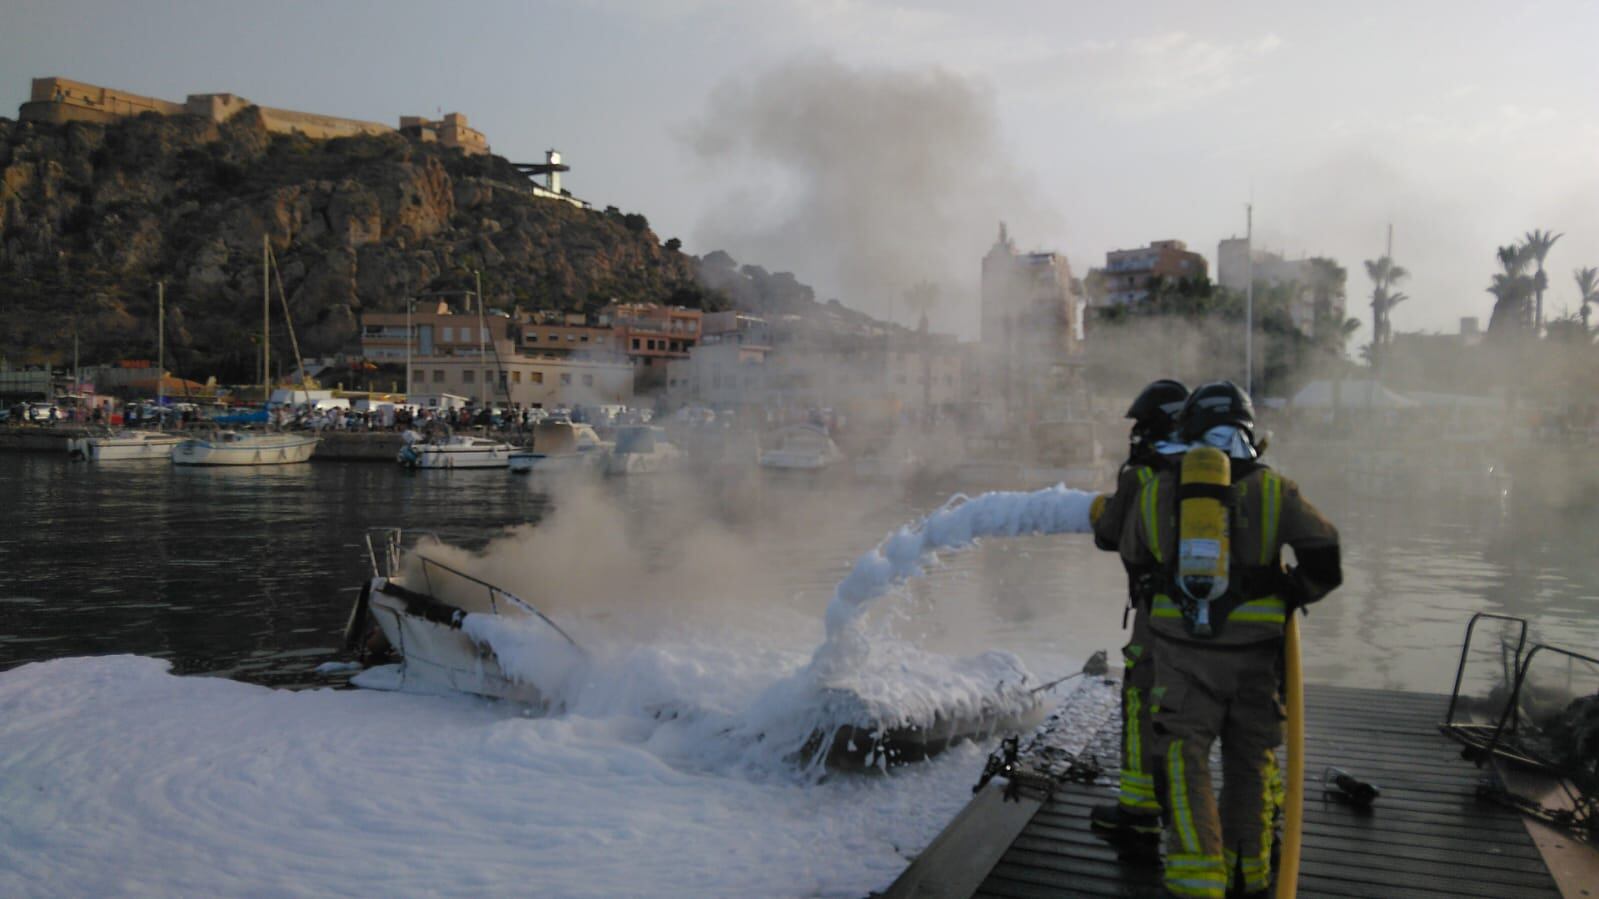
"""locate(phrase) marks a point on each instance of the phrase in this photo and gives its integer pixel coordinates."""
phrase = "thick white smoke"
(866, 182)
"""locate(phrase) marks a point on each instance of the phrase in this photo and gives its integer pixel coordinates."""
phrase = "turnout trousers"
(1203, 693)
(1137, 793)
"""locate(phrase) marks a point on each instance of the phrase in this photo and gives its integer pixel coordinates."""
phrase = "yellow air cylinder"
(1203, 532)
(1096, 508)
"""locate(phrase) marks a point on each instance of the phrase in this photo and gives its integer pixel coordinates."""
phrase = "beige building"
(1233, 270)
(510, 368)
(1031, 328)
(525, 381)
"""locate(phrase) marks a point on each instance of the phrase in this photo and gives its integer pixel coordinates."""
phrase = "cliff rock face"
(91, 217)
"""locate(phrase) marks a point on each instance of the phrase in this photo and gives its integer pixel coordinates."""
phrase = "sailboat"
(128, 444)
(250, 447)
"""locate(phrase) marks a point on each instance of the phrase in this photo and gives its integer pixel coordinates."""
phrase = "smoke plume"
(864, 181)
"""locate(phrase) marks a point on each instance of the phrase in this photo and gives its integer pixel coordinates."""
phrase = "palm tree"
(1327, 280)
(1384, 274)
(1588, 290)
(1538, 245)
(1513, 289)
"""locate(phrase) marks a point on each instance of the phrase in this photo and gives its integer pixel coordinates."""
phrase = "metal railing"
(393, 552)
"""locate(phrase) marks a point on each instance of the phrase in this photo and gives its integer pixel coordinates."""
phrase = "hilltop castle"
(58, 100)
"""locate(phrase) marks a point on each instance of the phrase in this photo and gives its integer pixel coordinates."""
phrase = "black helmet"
(1216, 403)
(1157, 405)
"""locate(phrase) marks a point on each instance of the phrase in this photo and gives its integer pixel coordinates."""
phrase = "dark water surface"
(250, 573)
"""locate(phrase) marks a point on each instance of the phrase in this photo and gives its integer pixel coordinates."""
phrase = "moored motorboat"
(244, 448)
(125, 446)
(801, 448)
(561, 447)
(642, 449)
(460, 451)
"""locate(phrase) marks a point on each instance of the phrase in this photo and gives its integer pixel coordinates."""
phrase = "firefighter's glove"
(1097, 508)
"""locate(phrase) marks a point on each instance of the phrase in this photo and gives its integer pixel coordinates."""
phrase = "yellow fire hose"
(1294, 801)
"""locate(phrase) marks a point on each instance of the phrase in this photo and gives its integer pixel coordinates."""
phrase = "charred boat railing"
(393, 551)
(1477, 735)
(495, 594)
(1549, 729)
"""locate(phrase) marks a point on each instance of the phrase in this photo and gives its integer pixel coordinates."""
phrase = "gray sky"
(776, 129)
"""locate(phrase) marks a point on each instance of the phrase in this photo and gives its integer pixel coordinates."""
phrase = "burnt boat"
(414, 611)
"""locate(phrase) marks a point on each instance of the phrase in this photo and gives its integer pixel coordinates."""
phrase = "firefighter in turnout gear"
(1136, 812)
(1214, 528)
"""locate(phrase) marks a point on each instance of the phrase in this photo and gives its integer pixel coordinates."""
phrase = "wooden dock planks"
(1427, 837)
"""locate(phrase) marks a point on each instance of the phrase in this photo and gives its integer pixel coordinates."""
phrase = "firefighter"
(1136, 812)
(1214, 528)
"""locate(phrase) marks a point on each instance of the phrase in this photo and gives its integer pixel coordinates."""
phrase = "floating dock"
(1427, 836)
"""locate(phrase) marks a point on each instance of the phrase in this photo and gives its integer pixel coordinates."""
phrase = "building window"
(516, 377)
(600, 339)
(535, 377)
(438, 376)
(483, 334)
(532, 338)
(635, 343)
(449, 334)
(566, 378)
(467, 375)
(418, 376)
(571, 338)
(585, 338)
(588, 380)
(503, 380)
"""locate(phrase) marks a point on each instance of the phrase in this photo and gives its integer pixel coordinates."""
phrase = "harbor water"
(250, 573)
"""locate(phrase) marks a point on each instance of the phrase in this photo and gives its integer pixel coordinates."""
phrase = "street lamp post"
(1249, 299)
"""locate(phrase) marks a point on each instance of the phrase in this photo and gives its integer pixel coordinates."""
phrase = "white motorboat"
(460, 451)
(561, 447)
(801, 448)
(244, 448)
(422, 608)
(125, 446)
(642, 449)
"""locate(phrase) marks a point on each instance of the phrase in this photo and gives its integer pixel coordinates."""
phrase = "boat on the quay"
(458, 451)
(245, 448)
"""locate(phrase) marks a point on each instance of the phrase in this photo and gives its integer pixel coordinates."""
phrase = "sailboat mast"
(266, 320)
(160, 343)
(482, 358)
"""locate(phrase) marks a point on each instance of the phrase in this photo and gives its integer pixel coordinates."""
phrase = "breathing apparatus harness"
(1200, 577)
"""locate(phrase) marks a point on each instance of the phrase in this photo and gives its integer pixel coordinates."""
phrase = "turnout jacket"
(1131, 479)
(1267, 513)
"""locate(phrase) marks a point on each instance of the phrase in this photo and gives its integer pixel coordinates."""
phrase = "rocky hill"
(91, 217)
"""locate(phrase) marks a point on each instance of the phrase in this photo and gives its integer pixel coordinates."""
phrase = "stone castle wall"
(59, 100)
(63, 100)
